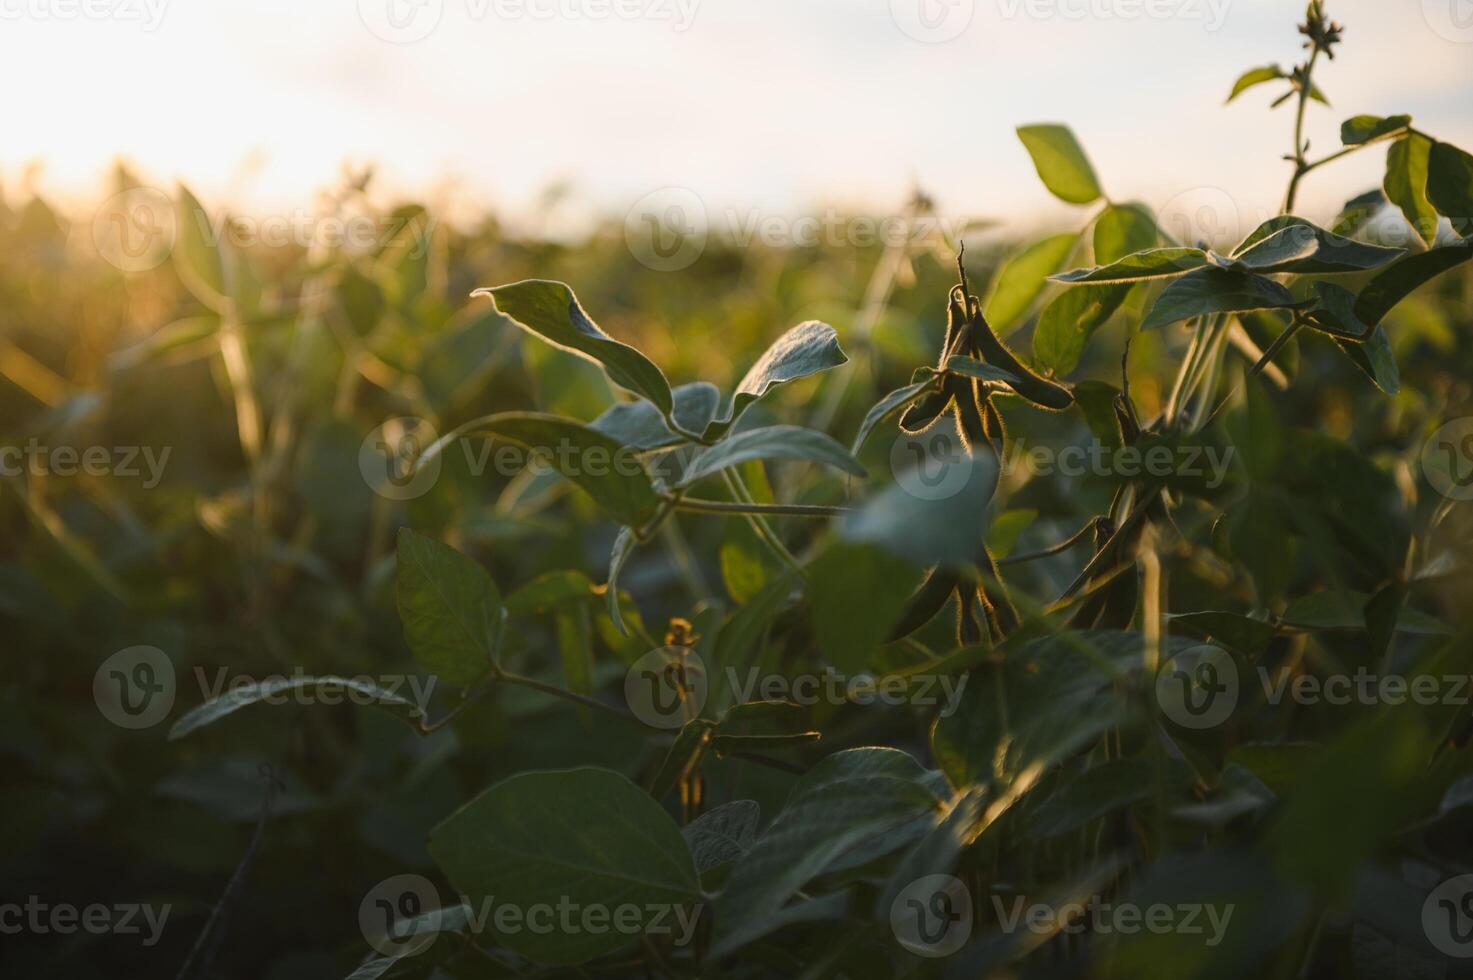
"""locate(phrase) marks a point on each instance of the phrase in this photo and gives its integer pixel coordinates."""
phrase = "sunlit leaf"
(1061, 163)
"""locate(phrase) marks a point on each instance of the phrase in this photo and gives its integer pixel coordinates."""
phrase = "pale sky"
(762, 106)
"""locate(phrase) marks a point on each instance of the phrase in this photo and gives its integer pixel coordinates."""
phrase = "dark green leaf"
(1255, 76)
(806, 349)
(1124, 229)
(1363, 129)
(638, 424)
(1291, 244)
(450, 608)
(722, 835)
(1021, 278)
(788, 442)
(326, 690)
(1406, 183)
(1067, 323)
(889, 405)
(1450, 185)
(1397, 281)
(1153, 263)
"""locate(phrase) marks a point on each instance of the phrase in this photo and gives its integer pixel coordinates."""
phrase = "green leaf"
(1358, 211)
(1061, 163)
(1124, 229)
(1369, 348)
(1153, 263)
(550, 591)
(327, 690)
(1363, 129)
(1067, 323)
(773, 442)
(1450, 185)
(1292, 244)
(1255, 76)
(940, 850)
(624, 544)
(1376, 359)
(1215, 291)
(608, 471)
(848, 799)
(197, 252)
(807, 349)
(639, 425)
(1022, 277)
(889, 405)
(1231, 629)
(847, 632)
(934, 513)
(684, 756)
(1406, 183)
(450, 609)
(551, 311)
(1095, 793)
(585, 836)
(1397, 281)
(722, 835)
(1334, 609)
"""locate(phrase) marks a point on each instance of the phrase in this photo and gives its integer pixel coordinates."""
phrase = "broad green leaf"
(1095, 793)
(1363, 129)
(1002, 537)
(624, 544)
(1369, 348)
(450, 609)
(935, 512)
(1061, 697)
(1291, 244)
(1231, 629)
(610, 472)
(1397, 281)
(1022, 277)
(806, 349)
(1375, 357)
(790, 442)
(1358, 211)
(747, 563)
(551, 311)
(1061, 163)
(1124, 229)
(1255, 76)
(981, 370)
(416, 937)
(1406, 183)
(585, 836)
(550, 591)
(1334, 609)
(722, 835)
(684, 756)
(1450, 185)
(1067, 323)
(639, 425)
(575, 650)
(849, 798)
(741, 636)
(763, 718)
(846, 630)
(1215, 291)
(322, 690)
(889, 405)
(939, 851)
(1153, 263)
(197, 252)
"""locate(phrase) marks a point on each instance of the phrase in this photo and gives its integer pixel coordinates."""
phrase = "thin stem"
(567, 695)
(759, 524)
(700, 506)
(1277, 344)
(1301, 166)
(1062, 546)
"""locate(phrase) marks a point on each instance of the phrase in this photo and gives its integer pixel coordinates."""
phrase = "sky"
(756, 107)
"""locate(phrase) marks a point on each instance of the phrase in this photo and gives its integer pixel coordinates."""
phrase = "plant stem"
(1301, 166)
(1062, 546)
(759, 524)
(567, 695)
(701, 506)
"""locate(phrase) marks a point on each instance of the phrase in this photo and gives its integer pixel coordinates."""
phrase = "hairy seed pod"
(968, 628)
(994, 595)
(927, 601)
(1040, 391)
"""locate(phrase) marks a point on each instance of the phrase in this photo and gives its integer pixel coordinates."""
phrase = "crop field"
(862, 596)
